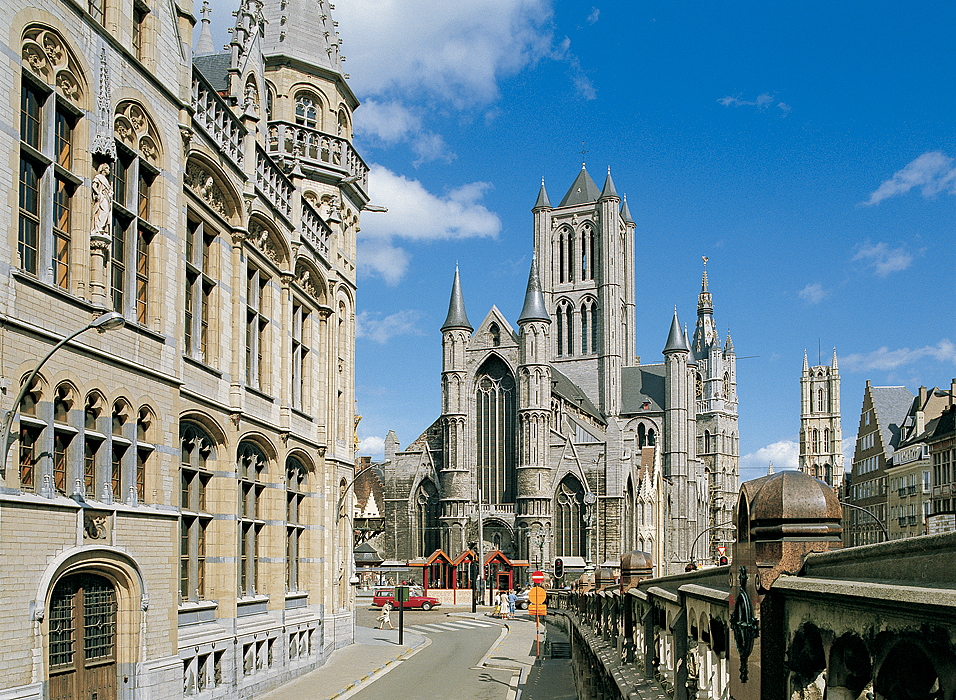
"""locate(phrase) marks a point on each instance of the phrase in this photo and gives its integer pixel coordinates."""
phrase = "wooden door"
(82, 651)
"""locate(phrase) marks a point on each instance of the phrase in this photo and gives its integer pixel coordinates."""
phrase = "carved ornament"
(46, 55)
(259, 235)
(205, 187)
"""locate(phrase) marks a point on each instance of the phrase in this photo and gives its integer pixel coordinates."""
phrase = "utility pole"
(481, 540)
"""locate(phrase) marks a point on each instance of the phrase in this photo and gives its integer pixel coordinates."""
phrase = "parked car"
(521, 600)
(416, 599)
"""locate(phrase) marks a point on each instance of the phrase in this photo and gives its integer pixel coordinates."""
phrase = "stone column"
(236, 365)
(99, 255)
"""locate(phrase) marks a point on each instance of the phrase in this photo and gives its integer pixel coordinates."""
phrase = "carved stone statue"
(102, 201)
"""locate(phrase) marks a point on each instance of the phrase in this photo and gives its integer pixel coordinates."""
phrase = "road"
(446, 668)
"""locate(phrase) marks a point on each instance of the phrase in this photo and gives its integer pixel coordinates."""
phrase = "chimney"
(920, 421)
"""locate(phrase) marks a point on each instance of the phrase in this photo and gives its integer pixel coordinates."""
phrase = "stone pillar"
(99, 255)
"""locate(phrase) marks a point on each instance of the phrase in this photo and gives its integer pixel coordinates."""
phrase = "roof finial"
(770, 469)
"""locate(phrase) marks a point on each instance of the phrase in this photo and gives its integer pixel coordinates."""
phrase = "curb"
(352, 688)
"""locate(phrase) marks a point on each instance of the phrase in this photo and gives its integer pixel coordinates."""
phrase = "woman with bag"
(497, 612)
(383, 619)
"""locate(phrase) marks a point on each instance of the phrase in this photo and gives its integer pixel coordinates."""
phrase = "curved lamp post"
(107, 322)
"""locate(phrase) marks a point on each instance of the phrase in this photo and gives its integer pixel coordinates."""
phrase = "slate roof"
(583, 191)
(890, 404)
(456, 318)
(543, 201)
(609, 190)
(641, 384)
(676, 341)
(534, 308)
(565, 388)
(215, 68)
(626, 212)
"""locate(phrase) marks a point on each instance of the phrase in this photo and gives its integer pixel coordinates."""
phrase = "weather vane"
(584, 152)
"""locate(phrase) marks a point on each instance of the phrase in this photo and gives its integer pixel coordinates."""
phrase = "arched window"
(495, 404)
(641, 435)
(826, 440)
(297, 487)
(195, 473)
(699, 386)
(307, 110)
(559, 334)
(707, 444)
(427, 511)
(561, 252)
(727, 393)
(651, 437)
(569, 315)
(495, 333)
(584, 328)
(251, 468)
(814, 441)
(569, 518)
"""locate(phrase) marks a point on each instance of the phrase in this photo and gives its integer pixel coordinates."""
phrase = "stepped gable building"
(566, 443)
(170, 503)
(821, 434)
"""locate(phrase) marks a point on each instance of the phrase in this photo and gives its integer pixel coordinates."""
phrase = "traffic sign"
(537, 577)
(721, 551)
(534, 609)
(537, 595)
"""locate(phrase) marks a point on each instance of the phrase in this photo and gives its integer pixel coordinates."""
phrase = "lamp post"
(107, 322)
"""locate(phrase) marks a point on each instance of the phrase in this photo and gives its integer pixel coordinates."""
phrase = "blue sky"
(809, 149)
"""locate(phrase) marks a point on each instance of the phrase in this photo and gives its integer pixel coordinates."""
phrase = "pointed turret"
(729, 346)
(204, 45)
(303, 31)
(806, 365)
(705, 334)
(626, 213)
(543, 201)
(676, 341)
(691, 357)
(834, 363)
(705, 302)
(534, 308)
(609, 192)
(583, 190)
(457, 318)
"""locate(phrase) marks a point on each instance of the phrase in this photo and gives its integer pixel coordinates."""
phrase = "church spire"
(543, 201)
(705, 303)
(609, 192)
(534, 308)
(806, 365)
(834, 364)
(626, 213)
(204, 45)
(457, 318)
(676, 341)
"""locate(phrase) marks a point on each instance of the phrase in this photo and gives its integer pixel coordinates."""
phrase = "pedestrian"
(497, 612)
(512, 599)
(383, 619)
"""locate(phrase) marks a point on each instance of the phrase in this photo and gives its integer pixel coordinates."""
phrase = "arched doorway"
(82, 649)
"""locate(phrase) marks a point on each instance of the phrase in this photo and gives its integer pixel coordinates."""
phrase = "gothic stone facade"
(169, 508)
(570, 446)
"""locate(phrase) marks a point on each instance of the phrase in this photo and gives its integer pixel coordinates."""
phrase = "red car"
(416, 599)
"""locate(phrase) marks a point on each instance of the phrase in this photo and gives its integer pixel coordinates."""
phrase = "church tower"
(533, 507)
(715, 389)
(585, 250)
(821, 437)
(454, 474)
(676, 443)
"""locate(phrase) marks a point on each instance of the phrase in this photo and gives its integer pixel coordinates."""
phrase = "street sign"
(537, 577)
(537, 595)
(401, 593)
(721, 551)
(537, 609)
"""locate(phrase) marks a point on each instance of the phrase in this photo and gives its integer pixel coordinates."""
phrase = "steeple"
(626, 213)
(834, 363)
(302, 31)
(609, 192)
(705, 303)
(204, 45)
(806, 365)
(705, 334)
(457, 318)
(534, 308)
(543, 201)
(676, 342)
(583, 190)
(729, 346)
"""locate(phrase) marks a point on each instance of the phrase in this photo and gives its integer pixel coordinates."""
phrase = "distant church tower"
(821, 438)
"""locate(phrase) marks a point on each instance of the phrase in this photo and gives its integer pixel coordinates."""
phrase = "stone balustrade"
(217, 120)
(315, 231)
(315, 147)
(273, 183)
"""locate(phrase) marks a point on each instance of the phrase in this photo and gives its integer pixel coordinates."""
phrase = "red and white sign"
(537, 577)
(721, 551)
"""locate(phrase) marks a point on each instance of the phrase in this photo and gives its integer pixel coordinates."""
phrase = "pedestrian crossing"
(451, 626)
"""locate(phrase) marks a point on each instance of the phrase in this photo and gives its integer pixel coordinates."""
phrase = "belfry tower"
(821, 437)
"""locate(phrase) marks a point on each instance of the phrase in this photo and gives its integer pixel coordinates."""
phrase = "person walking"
(497, 612)
(383, 619)
(512, 599)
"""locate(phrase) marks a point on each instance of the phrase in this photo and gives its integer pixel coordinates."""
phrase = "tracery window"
(496, 404)
(306, 110)
(569, 519)
(195, 473)
(251, 467)
(587, 253)
(727, 394)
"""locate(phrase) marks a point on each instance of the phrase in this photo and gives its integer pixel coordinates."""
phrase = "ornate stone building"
(821, 434)
(566, 443)
(170, 507)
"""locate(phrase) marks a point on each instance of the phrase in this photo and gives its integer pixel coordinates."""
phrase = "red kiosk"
(500, 572)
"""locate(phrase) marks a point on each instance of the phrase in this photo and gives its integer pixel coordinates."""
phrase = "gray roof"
(215, 68)
(891, 404)
(676, 342)
(626, 213)
(640, 385)
(543, 201)
(303, 30)
(457, 318)
(564, 387)
(583, 191)
(534, 308)
(609, 190)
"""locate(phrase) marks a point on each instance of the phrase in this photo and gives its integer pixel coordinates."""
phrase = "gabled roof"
(890, 405)
(215, 68)
(566, 389)
(583, 190)
(640, 385)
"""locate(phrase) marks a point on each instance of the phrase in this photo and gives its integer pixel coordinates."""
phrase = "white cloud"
(784, 454)
(883, 258)
(762, 102)
(886, 359)
(429, 146)
(415, 214)
(378, 328)
(454, 51)
(582, 83)
(813, 293)
(593, 17)
(389, 123)
(372, 446)
(933, 172)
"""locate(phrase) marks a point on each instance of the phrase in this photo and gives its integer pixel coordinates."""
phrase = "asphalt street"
(447, 667)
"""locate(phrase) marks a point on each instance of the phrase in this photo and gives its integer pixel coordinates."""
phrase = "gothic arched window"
(569, 518)
(814, 441)
(495, 404)
(495, 332)
(306, 110)
(569, 312)
(726, 385)
(426, 512)
(584, 329)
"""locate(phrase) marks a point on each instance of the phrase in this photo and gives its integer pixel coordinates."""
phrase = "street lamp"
(107, 322)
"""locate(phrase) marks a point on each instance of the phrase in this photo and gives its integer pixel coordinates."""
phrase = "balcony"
(912, 520)
(317, 149)
(911, 490)
(217, 119)
(902, 520)
(902, 491)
